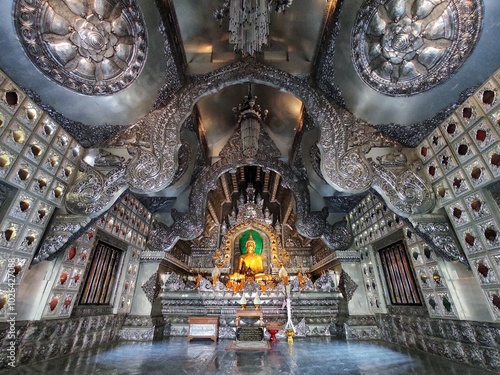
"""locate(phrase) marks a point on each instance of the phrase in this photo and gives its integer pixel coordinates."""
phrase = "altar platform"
(314, 312)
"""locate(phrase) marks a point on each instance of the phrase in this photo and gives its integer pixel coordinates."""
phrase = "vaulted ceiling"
(352, 51)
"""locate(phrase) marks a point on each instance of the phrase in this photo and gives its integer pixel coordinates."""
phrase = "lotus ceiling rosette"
(95, 48)
(404, 47)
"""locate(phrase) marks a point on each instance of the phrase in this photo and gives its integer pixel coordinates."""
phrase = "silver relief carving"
(154, 163)
(190, 225)
(406, 193)
(97, 48)
(153, 167)
(63, 229)
(92, 193)
(152, 287)
(404, 48)
(437, 233)
(347, 285)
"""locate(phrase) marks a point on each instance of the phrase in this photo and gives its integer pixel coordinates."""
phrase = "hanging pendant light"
(250, 116)
(249, 22)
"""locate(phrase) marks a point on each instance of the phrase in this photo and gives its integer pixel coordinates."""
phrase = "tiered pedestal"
(273, 328)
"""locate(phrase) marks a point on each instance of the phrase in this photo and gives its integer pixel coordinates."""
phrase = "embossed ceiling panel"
(405, 47)
(397, 108)
(95, 47)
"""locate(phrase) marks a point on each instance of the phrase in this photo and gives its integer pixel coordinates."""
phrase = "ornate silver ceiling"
(95, 47)
(405, 47)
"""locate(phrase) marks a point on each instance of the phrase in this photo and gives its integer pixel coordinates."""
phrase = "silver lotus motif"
(97, 48)
(405, 47)
(94, 38)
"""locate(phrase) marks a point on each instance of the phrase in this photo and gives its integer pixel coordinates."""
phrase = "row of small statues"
(327, 282)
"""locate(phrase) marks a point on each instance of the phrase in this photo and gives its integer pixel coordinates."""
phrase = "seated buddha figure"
(250, 264)
(250, 259)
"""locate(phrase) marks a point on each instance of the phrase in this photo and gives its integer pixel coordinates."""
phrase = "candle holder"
(273, 328)
(243, 302)
(289, 334)
(257, 302)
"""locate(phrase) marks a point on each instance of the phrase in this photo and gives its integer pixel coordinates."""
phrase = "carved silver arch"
(343, 166)
(190, 225)
(154, 168)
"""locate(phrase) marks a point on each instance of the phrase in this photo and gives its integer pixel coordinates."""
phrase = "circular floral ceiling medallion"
(93, 47)
(402, 47)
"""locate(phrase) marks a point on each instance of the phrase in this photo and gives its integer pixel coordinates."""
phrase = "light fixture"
(250, 116)
(249, 22)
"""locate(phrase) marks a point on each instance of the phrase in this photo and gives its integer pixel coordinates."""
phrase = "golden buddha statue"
(251, 264)
(250, 259)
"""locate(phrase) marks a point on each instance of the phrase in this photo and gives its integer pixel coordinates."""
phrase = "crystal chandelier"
(250, 116)
(249, 22)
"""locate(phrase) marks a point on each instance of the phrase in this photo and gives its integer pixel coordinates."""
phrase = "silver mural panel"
(406, 47)
(94, 48)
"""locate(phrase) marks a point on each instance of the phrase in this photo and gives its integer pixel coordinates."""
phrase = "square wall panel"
(22, 173)
(11, 97)
(7, 159)
(487, 95)
(464, 148)
(425, 151)
(436, 140)
(477, 173)
(443, 192)
(469, 112)
(41, 214)
(34, 150)
(29, 114)
(458, 214)
(447, 161)
(15, 136)
(483, 135)
(490, 235)
(46, 129)
(451, 128)
(477, 206)
(492, 160)
(5, 119)
(459, 183)
(470, 240)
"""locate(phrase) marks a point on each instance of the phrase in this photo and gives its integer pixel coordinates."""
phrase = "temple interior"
(326, 171)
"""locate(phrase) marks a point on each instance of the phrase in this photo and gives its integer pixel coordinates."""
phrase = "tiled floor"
(316, 356)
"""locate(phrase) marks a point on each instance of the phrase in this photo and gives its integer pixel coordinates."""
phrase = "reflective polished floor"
(316, 356)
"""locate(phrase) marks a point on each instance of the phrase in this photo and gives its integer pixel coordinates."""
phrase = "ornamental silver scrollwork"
(95, 48)
(406, 194)
(92, 193)
(190, 225)
(401, 48)
(166, 124)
